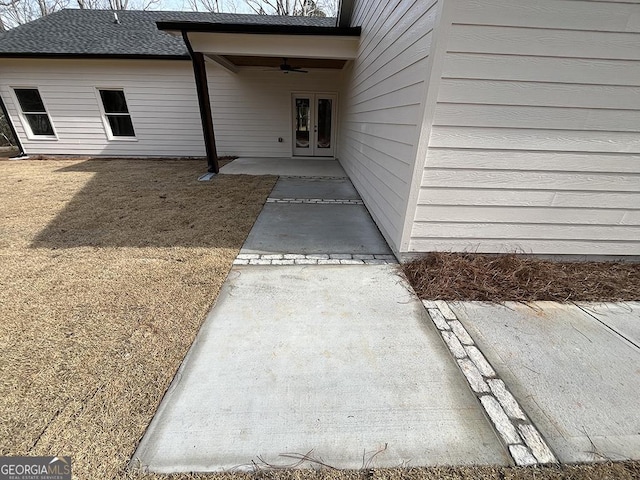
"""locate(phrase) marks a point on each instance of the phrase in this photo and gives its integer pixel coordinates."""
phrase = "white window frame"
(105, 120)
(26, 126)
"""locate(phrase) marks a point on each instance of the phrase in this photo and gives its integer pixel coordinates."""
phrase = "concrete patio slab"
(338, 362)
(330, 188)
(623, 318)
(302, 228)
(576, 378)
(284, 166)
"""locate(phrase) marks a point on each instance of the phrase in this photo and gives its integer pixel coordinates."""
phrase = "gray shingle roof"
(94, 32)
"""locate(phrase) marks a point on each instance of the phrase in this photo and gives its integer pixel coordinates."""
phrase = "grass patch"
(108, 269)
(511, 277)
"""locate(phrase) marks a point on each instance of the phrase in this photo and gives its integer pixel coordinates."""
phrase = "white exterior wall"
(160, 95)
(384, 101)
(253, 108)
(535, 145)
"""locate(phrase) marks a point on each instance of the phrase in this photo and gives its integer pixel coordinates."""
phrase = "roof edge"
(259, 29)
(104, 56)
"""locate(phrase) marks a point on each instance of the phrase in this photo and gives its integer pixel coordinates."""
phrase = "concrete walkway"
(574, 368)
(338, 362)
(328, 356)
(315, 216)
(318, 350)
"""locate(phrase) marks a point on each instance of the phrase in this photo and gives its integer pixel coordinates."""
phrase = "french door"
(314, 120)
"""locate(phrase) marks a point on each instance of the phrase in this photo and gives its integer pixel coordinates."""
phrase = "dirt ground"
(108, 269)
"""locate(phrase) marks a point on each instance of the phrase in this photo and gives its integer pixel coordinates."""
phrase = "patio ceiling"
(275, 62)
(274, 45)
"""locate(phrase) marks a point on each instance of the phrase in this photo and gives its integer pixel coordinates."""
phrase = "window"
(34, 111)
(117, 113)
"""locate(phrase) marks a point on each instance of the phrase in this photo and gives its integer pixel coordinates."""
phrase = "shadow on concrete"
(153, 203)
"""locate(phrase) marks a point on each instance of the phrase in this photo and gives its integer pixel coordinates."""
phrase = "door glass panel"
(302, 123)
(324, 122)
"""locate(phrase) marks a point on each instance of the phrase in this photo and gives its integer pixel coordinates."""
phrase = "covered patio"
(243, 51)
(321, 167)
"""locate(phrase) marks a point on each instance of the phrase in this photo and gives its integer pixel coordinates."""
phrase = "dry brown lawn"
(108, 269)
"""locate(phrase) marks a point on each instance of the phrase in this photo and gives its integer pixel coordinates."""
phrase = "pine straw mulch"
(511, 277)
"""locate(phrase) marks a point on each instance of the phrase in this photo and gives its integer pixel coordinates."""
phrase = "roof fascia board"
(258, 29)
(104, 56)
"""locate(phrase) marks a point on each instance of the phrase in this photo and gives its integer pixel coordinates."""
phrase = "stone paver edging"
(315, 201)
(314, 177)
(313, 259)
(525, 444)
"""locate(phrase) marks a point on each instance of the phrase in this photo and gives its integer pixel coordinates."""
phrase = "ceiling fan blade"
(285, 67)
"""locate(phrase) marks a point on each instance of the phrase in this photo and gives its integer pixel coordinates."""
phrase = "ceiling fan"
(286, 68)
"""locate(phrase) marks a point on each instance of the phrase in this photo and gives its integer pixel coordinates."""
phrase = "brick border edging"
(524, 443)
(313, 259)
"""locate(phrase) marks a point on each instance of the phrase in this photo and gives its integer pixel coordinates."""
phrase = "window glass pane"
(113, 101)
(121, 126)
(40, 124)
(302, 123)
(324, 123)
(30, 100)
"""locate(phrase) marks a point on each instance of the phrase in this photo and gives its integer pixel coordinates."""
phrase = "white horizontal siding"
(622, 16)
(515, 180)
(531, 68)
(160, 96)
(544, 42)
(539, 94)
(535, 139)
(385, 89)
(528, 197)
(530, 117)
(252, 109)
(535, 145)
(520, 232)
(471, 214)
(510, 245)
(514, 160)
